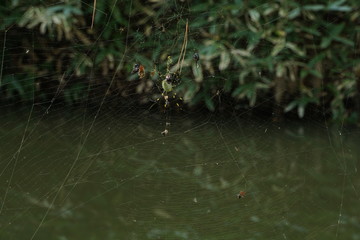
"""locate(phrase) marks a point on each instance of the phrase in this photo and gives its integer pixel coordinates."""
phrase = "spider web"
(96, 171)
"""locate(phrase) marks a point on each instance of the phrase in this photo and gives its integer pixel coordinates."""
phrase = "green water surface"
(67, 175)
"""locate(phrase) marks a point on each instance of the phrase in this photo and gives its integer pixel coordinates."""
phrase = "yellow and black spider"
(171, 79)
(168, 84)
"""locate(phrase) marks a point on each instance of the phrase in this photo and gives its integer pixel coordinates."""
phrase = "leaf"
(13, 84)
(227, 85)
(242, 76)
(340, 8)
(254, 15)
(317, 59)
(238, 91)
(280, 70)
(240, 52)
(209, 103)
(291, 106)
(336, 29)
(224, 60)
(315, 7)
(198, 72)
(301, 111)
(191, 91)
(277, 48)
(303, 73)
(203, 7)
(315, 73)
(295, 49)
(336, 6)
(294, 13)
(325, 42)
(252, 97)
(311, 31)
(345, 41)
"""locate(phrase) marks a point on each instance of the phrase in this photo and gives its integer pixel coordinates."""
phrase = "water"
(66, 175)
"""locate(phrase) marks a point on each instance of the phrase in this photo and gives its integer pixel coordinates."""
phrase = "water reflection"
(120, 179)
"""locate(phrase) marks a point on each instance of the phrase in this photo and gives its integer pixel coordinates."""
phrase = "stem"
(2, 58)
(93, 15)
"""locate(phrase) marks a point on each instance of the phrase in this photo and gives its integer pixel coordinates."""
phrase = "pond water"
(69, 175)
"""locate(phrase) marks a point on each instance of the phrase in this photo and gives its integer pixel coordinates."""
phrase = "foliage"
(298, 54)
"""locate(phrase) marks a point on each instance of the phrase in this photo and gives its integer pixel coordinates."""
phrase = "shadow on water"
(120, 179)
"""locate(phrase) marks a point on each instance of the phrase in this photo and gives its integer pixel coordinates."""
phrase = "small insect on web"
(196, 57)
(140, 69)
(241, 194)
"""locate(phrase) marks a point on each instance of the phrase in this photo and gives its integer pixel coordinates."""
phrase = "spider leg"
(166, 98)
(152, 105)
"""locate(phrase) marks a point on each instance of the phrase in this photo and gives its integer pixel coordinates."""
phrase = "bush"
(294, 53)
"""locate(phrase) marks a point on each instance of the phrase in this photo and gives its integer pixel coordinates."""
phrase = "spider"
(169, 82)
(171, 79)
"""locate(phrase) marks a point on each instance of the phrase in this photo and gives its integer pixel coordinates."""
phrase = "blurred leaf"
(301, 111)
(290, 106)
(315, 7)
(345, 41)
(209, 103)
(295, 49)
(13, 85)
(325, 42)
(336, 6)
(301, 104)
(192, 89)
(254, 15)
(294, 13)
(310, 30)
(228, 85)
(278, 48)
(198, 72)
(336, 29)
(224, 60)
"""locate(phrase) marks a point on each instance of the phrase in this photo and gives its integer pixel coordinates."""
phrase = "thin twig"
(93, 15)
(2, 58)
(183, 47)
(3, 53)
